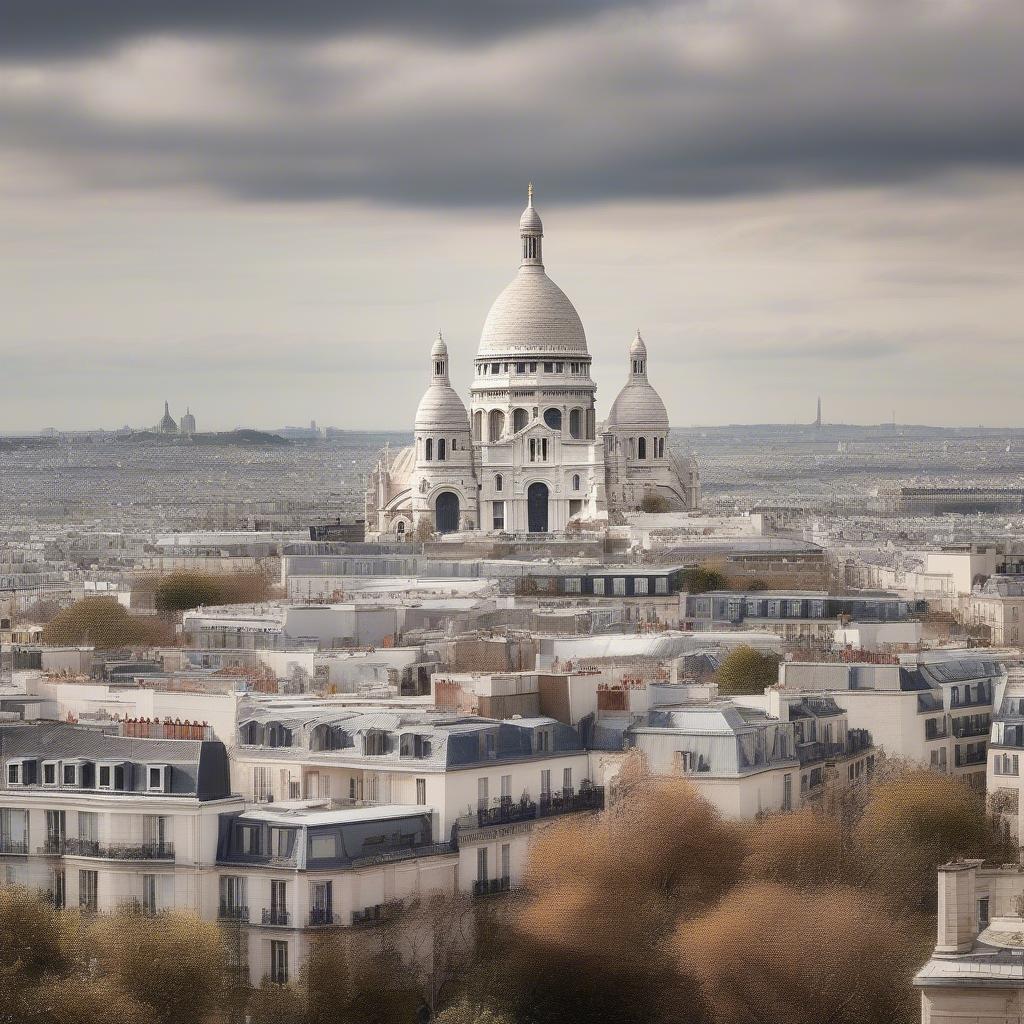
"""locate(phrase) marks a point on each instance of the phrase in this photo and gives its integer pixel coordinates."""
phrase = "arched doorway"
(446, 512)
(537, 507)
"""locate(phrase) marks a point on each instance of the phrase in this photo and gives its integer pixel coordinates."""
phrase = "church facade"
(529, 455)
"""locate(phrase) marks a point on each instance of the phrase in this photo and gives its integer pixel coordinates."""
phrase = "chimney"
(958, 921)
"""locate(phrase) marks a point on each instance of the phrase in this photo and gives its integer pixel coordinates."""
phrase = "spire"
(167, 411)
(817, 421)
(531, 231)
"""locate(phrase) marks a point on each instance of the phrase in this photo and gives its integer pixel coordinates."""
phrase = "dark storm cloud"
(70, 27)
(615, 107)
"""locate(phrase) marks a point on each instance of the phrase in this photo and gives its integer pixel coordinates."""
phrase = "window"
(249, 836)
(232, 893)
(481, 864)
(576, 481)
(553, 418)
(573, 585)
(440, 449)
(429, 449)
(14, 773)
(56, 831)
(71, 773)
(641, 448)
(619, 586)
(282, 841)
(576, 423)
(279, 962)
(88, 885)
(506, 860)
(323, 846)
(506, 787)
(88, 826)
(545, 782)
(421, 791)
(983, 912)
(567, 781)
(495, 425)
(495, 367)
(154, 831)
(599, 586)
(787, 792)
(481, 794)
(640, 585)
(498, 515)
(498, 482)
(105, 777)
(549, 367)
(49, 773)
(661, 585)
(520, 418)
(157, 778)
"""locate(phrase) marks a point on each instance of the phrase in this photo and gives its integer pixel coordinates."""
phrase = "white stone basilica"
(528, 457)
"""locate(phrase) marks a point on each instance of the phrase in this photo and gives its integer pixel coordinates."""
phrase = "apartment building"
(932, 709)
(99, 820)
(998, 605)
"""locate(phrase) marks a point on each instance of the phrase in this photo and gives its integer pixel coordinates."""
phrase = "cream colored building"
(976, 972)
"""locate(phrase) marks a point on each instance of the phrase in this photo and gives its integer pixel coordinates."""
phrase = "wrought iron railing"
(233, 912)
(277, 917)
(491, 886)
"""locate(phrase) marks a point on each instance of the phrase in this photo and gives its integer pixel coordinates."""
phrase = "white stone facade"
(528, 456)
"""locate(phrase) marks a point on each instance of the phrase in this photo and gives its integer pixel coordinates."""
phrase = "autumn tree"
(804, 847)
(914, 820)
(83, 1000)
(173, 962)
(745, 670)
(778, 952)
(467, 1012)
(654, 502)
(103, 623)
(185, 589)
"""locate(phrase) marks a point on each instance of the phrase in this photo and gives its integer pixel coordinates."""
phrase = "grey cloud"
(33, 28)
(612, 110)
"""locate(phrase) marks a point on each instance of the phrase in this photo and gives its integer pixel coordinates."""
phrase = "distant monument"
(167, 424)
(817, 419)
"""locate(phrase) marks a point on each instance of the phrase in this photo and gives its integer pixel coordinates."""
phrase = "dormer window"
(16, 774)
(158, 778)
(71, 774)
(50, 773)
(111, 776)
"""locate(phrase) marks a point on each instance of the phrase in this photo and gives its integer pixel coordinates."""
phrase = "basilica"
(530, 455)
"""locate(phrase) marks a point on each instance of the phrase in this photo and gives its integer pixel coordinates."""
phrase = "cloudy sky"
(266, 210)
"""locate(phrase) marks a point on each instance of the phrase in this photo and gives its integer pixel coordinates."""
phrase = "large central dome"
(532, 316)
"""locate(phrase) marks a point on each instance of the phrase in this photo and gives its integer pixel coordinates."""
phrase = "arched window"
(575, 481)
(495, 425)
(430, 449)
(575, 424)
(553, 418)
(498, 482)
(632, 447)
(520, 418)
(641, 448)
(591, 425)
(454, 443)
(440, 449)
(478, 426)
(400, 528)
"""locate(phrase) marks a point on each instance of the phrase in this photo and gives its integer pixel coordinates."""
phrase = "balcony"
(276, 917)
(589, 798)
(14, 847)
(971, 729)
(233, 912)
(491, 886)
(381, 913)
(320, 917)
(136, 906)
(964, 760)
(506, 812)
(110, 851)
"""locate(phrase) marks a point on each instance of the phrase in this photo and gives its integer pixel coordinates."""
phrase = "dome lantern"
(531, 231)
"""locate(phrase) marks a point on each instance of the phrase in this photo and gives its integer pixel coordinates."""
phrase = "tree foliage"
(654, 502)
(103, 623)
(702, 578)
(745, 670)
(174, 962)
(185, 589)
